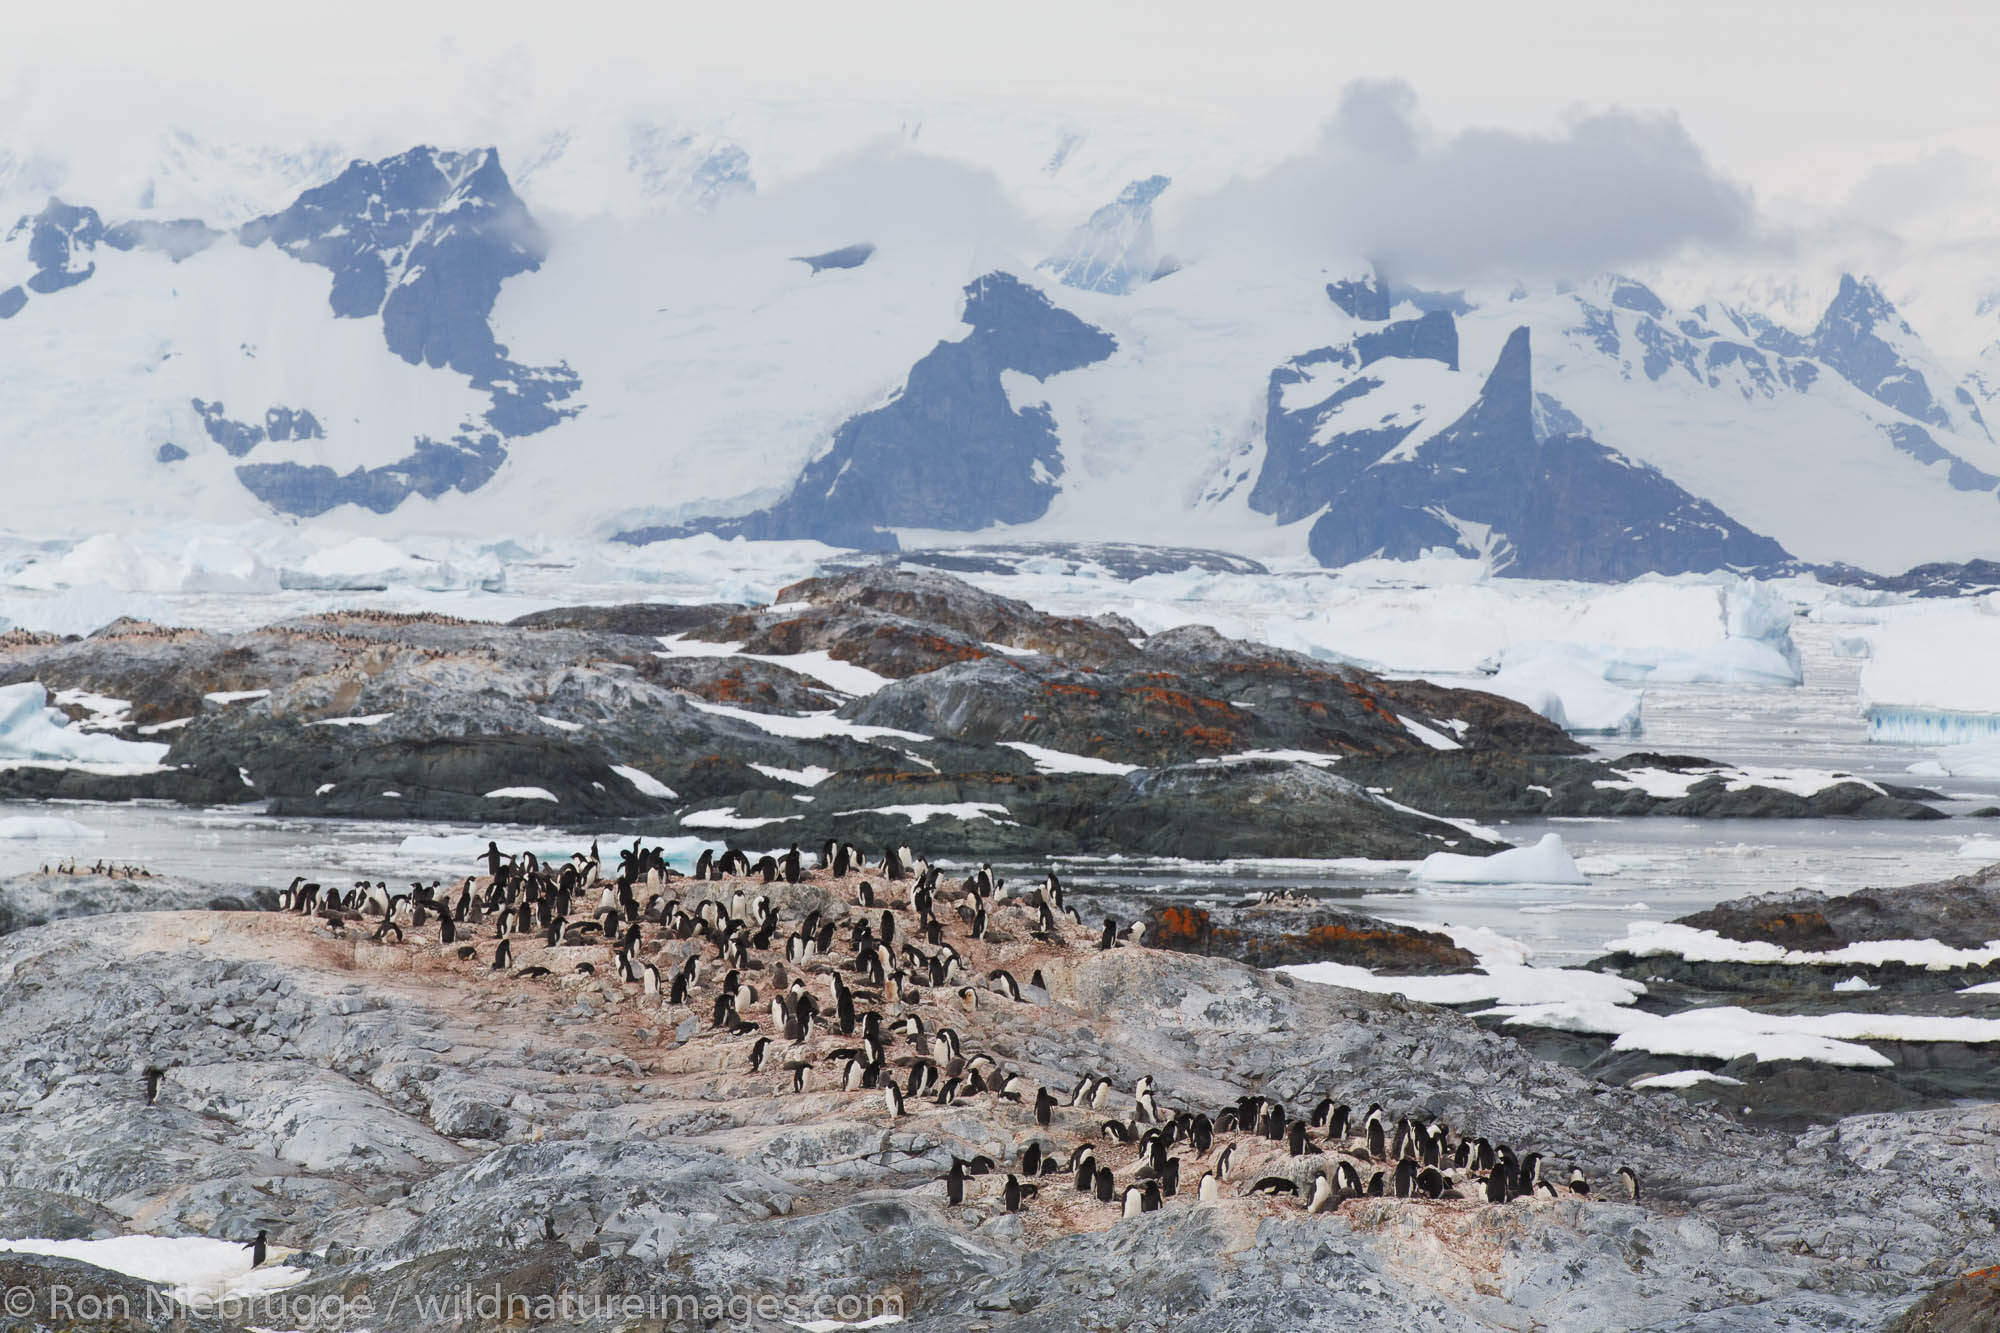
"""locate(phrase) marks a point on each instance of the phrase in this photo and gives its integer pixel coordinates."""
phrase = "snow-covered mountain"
(406, 346)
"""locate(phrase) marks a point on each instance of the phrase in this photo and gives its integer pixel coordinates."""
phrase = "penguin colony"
(863, 1004)
(104, 868)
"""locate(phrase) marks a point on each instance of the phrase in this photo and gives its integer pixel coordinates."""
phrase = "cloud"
(1939, 182)
(1610, 188)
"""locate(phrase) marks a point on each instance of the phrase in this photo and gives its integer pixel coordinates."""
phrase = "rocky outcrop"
(1963, 913)
(1282, 934)
(1080, 734)
(39, 897)
(414, 1124)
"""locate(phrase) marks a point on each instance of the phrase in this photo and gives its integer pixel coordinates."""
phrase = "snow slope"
(640, 326)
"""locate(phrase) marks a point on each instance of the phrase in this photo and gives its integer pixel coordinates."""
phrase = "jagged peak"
(1860, 303)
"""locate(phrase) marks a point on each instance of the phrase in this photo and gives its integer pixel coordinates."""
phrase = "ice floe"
(1547, 862)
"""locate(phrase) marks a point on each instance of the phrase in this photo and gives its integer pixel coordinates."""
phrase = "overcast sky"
(1769, 88)
(1751, 117)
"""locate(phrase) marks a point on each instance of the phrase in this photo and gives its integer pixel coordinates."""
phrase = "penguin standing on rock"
(259, 1248)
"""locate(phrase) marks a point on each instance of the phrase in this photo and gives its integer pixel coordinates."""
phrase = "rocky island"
(885, 1085)
(856, 706)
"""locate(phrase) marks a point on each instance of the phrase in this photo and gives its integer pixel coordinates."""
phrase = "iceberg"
(1569, 694)
(1547, 862)
(32, 733)
(1927, 681)
(370, 562)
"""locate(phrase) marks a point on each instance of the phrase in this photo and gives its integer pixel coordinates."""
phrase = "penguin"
(1209, 1191)
(1630, 1180)
(1044, 1107)
(152, 1074)
(1135, 1200)
(1105, 1185)
(1431, 1181)
(1224, 1160)
(503, 956)
(1322, 1200)
(1497, 1185)
(1275, 1185)
(1012, 1193)
(1376, 1186)
(1406, 1178)
(259, 1248)
(1348, 1180)
(892, 1097)
(1295, 1139)
(954, 1183)
(1084, 1163)
(1109, 939)
(1577, 1184)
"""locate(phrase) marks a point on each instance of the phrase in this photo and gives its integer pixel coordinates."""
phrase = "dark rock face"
(1545, 507)
(58, 239)
(950, 451)
(423, 241)
(1918, 444)
(1849, 339)
(847, 256)
(641, 618)
(1281, 935)
(1164, 708)
(939, 601)
(1963, 913)
(1287, 809)
(1361, 298)
(238, 438)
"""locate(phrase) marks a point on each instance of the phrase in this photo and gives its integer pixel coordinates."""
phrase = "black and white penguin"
(1322, 1200)
(152, 1075)
(1498, 1187)
(892, 1097)
(1106, 1186)
(1630, 1180)
(1210, 1190)
(1577, 1183)
(1275, 1185)
(1135, 1200)
(260, 1249)
(1406, 1178)
(1045, 1106)
(1431, 1181)
(954, 1183)
(503, 956)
